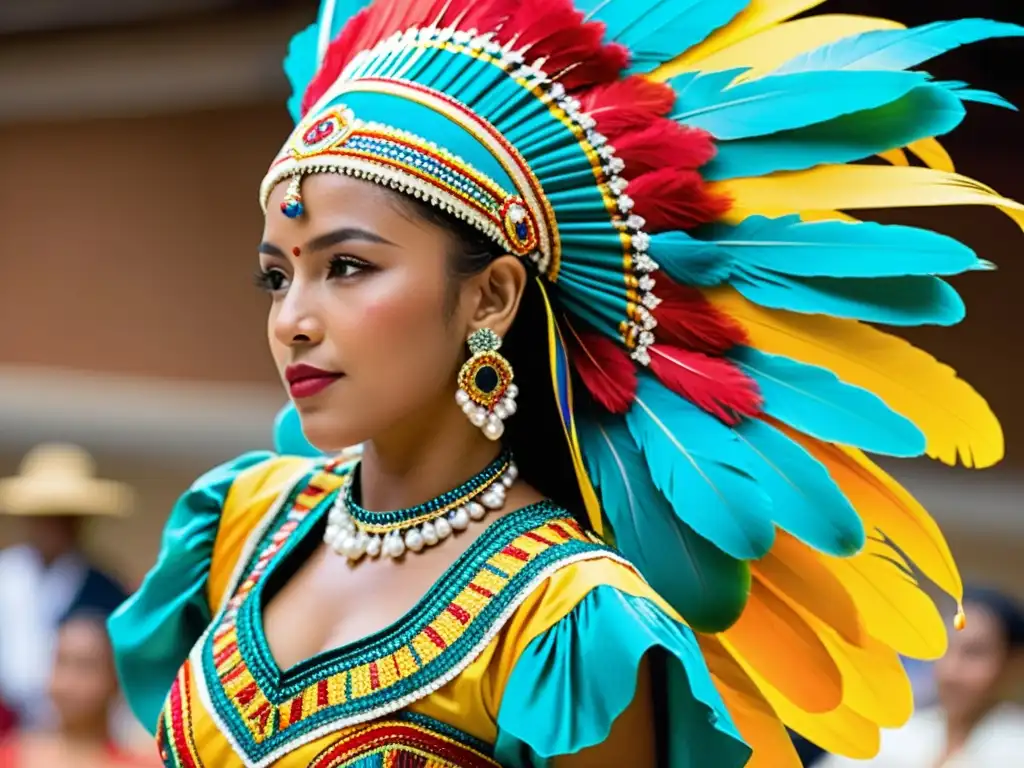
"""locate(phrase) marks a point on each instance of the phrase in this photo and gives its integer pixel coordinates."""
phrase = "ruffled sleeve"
(154, 630)
(571, 681)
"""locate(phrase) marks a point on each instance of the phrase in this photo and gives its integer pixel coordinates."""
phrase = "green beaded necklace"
(355, 532)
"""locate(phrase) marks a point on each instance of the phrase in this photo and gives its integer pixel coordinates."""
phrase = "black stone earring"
(486, 392)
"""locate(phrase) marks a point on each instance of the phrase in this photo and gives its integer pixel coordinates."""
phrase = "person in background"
(48, 576)
(83, 689)
(974, 724)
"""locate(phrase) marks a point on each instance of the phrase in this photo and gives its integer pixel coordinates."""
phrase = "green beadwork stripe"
(465, 492)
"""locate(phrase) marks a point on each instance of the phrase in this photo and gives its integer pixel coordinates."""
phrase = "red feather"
(663, 143)
(713, 384)
(605, 370)
(671, 200)
(629, 104)
(688, 319)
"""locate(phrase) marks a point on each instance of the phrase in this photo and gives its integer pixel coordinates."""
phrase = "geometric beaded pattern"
(265, 711)
(174, 737)
(422, 168)
(406, 741)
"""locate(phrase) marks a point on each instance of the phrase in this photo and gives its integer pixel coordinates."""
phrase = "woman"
(460, 284)
(975, 724)
(83, 689)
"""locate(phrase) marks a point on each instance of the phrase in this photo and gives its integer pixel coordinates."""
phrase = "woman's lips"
(302, 388)
(307, 380)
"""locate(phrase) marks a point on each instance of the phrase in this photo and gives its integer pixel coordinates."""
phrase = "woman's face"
(359, 324)
(970, 677)
(83, 683)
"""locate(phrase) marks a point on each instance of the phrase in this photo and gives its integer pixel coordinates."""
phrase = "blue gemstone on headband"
(522, 230)
(292, 209)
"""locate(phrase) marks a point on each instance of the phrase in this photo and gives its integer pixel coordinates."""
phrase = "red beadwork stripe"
(295, 714)
(247, 694)
(459, 613)
(435, 638)
(225, 654)
(400, 736)
(262, 714)
(481, 590)
(235, 671)
(322, 694)
(179, 700)
(374, 676)
(398, 668)
(534, 536)
(560, 531)
(514, 551)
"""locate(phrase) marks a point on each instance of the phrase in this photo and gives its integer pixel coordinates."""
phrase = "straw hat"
(60, 479)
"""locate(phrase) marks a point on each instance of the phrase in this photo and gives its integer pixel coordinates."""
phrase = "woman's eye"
(344, 267)
(271, 280)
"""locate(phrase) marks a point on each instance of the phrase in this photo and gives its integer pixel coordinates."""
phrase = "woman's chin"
(328, 434)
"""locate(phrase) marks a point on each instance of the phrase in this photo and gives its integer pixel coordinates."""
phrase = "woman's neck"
(423, 459)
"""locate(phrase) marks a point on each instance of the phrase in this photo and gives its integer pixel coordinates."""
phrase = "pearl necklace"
(355, 532)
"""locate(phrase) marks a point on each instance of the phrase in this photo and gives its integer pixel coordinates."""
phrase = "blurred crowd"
(59, 698)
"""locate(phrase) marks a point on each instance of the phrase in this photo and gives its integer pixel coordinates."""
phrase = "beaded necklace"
(355, 532)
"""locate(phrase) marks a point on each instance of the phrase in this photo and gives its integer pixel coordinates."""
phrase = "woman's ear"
(500, 288)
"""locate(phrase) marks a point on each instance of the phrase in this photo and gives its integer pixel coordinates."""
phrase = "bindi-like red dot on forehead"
(296, 251)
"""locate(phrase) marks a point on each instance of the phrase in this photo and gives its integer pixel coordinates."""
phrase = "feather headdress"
(681, 175)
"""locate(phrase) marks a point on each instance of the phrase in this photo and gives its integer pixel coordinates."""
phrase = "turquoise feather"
(300, 67)
(929, 110)
(837, 248)
(898, 301)
(656, 31)
(690, 261)
(965, 93)
(703, 469)
(706, 586)
(806, 502)
(784, 102)
(895, 49)
(815, 401)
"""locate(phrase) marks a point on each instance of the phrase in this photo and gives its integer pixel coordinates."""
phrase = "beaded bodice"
(265, 712)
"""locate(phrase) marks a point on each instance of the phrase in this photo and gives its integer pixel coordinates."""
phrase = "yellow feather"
(892, 605)
(840, 731)
(895, 156)
(729, 218)
(885, 505)
(875, 685)
(932, 154)
(773, 639)
(757, 16)
(792, 570)
(954, 418)
(767, 50)
(846, 187)
(756, 721)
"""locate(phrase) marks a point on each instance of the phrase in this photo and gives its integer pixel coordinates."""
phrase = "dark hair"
(1006, 610)
(535, 434)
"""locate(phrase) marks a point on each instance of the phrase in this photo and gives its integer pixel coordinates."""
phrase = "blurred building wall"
(130, 161)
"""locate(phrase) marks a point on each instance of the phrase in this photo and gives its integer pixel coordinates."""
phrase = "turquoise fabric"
(289, 439)
(154, 630)
(573, 681)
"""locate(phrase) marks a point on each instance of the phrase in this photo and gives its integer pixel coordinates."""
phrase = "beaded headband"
(459, 121)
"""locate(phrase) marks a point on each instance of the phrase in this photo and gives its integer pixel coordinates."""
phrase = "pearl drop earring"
(486, 392)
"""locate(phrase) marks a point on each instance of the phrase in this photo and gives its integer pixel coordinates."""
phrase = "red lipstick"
(307, 380)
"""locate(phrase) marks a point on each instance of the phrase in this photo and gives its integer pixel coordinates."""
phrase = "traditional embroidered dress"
(677, 177)
(537, 617)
